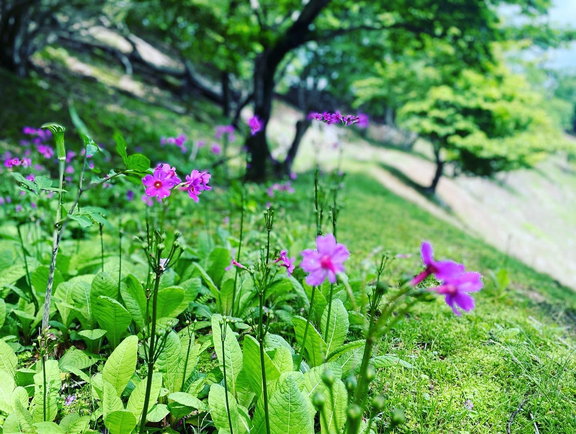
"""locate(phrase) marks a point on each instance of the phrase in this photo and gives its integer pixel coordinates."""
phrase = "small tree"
(483, 124)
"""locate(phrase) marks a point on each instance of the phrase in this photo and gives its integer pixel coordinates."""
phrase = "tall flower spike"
(326, 261)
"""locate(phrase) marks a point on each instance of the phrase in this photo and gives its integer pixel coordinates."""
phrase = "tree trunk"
(13, 27)
(261, 164)
(225, 94)
(301, 127)
(439, 171)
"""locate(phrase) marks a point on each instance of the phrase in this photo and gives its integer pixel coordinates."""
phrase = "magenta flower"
(225, 130)
(147, 200)
(334, 118)
(12, 162)
(235, 263)
(455, 290)
(161, 182)
(286, 262)
(196, 183)
(216, 149)
(255, 124)
(440, 269)
(45, 150)
(324, 262)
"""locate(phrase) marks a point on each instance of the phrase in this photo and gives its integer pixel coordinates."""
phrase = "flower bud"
(370, 373)
(328, 378)
(379, 402)
(351, 383)
(354, 412)
(318, 400)
(397, 418)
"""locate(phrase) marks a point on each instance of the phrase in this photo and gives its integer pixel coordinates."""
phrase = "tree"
(483, 124)
(27, 26)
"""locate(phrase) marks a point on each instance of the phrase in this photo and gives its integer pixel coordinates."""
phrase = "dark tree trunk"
(14, 26)
(225, 94)
(301, 127)
(261, 164)
(439, 170)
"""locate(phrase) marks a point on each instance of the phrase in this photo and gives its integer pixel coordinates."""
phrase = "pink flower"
(234, 263)
(255, 124)
(225, 130)
(455, 290)
(147, 200)
(440, 269)
(45, 150)
(11, 162)
(324, 262)
(285, 261)
(196, 183)
(161, 182)
(216, 149)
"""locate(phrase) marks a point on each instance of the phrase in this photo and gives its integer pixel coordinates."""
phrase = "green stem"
(262, 365)
(223, 329)
(238, 255)
(151, 347)
(28, 281)
(329, 312)
(119, 252)
(310, 312)
(101, 247)
(44, 391)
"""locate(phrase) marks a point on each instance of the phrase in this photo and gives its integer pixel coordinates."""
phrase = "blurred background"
(466, 108)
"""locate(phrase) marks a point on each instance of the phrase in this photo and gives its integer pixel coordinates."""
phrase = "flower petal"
(326, 244)
(464, 301)
(427, 253)
(452, 303)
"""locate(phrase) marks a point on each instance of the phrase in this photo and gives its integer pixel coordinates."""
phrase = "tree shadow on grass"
(423, 191)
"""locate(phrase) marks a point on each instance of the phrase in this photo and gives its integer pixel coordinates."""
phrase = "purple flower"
(11, 162)
(31, 177)
(455, 290)
(285, 261)
(45, 150)
(440, 269)
(69, 399)
(129, 195)
(147, 200)
(255, 124)
(225, 130)
(196, 183)
(161, 182)
(334, 118)
(234, 263)
(363, 120)
(324, 262)
(216, 149)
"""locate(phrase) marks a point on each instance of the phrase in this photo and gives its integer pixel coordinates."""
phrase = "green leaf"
(337, 326)
(49, 428)
(290, 410)
(138, 162)
(207, 280)
(169, 300)
(74, 423)
(335, 411)
(219, 411)
(8, 359)
(104, 284)
(2, 312)
(169, 358)
(53, 383)
(217, 262)
(387, 360)
(112, 317)
(315, 345)
(313, 378)
(232, 355)
(75, 358)
(251, 365)
(92, 335)
(7, 386)
(121, 146)
(189, 351)
(343, 349)
(121, 364)
(158, 412)
(120, 422)
(187, 400)
(111, 402)
(135, 300)
(136, 400)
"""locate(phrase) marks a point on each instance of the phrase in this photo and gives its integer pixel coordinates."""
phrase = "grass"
(510, 363)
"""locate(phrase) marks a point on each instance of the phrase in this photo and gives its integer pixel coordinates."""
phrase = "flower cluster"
(225, 130)
(177, 141)
(164, 179)
(14, 161)
(325, 262)
(336, 118)
(455, 282)
(287, 187)
(284, 261)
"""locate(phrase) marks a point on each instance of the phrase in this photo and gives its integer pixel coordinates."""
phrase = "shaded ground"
(530, 215)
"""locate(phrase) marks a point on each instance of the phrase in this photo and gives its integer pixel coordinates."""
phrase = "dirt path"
(530, 215)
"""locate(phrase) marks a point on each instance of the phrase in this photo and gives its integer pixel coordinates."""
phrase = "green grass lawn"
(510, 361)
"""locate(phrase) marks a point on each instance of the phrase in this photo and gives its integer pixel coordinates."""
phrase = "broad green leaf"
(290, 410)
(217, 262)
(136, 400)
(104, 284)
(251, 366)
(158, 412)
(92, 335)
(48, 428)
(169, 300)
(227, 350)
(343, 349)
(169, 358)
(111, 402)
(19, 421)
(335, 412)
(2, 312)
(282, 359)
(176, 378)
(121, 364)
(8, 359)
(315, 345)
(313, 378)
(74, 423)
(112, 317)
(337, 326)
(7, 386)
(53, 383)
(207, 280)
(75, 358)
(187, 400)
(121, 146)
(138, 162)
(120, 422)
(135, 300)
(219, 411)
